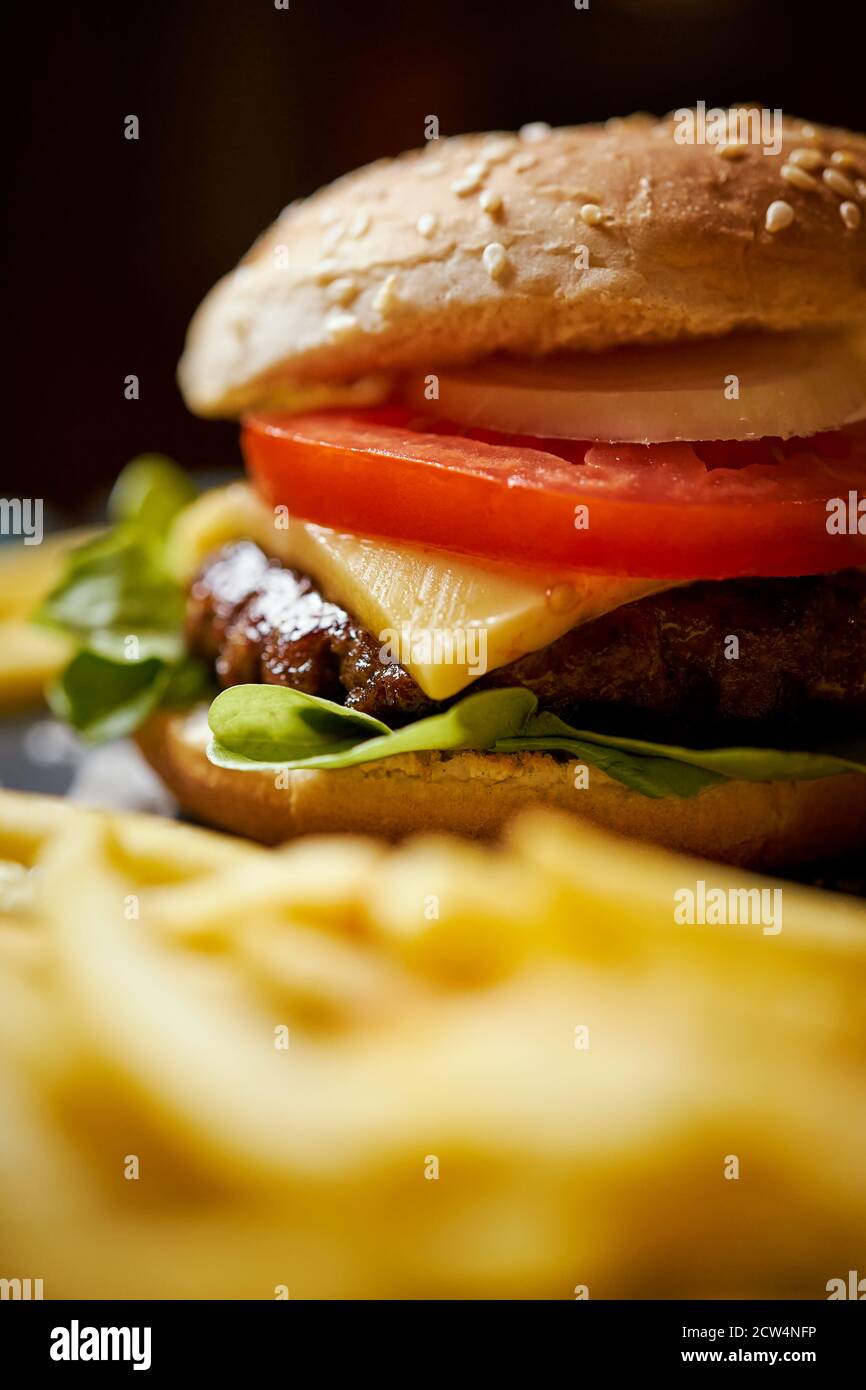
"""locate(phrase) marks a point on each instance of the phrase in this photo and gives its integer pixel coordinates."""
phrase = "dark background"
(112, 243)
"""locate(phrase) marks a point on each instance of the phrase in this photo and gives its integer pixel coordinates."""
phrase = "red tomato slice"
(677, 511)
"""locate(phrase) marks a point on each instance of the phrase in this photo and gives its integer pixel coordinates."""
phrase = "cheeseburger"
(556, 455)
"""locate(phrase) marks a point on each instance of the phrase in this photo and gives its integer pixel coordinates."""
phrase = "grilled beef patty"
(656, 667)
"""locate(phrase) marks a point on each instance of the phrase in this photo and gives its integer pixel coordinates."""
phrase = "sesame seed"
(779, 216)
(466, 184)
(387, 298)
(431, 166)
(328, 216)
(490, 202)
(478, 169)
(534, 130)
(240, 324)
(332, 236)
(732, 149)
(792, 173)
(523, 162)
(592, 214)
(806, 159)
(339, 325)
(843, 160)
(860, 185)
(342, 291)
(497, 150)
(850, 214)
(808, 132)
(839, 183)
(426, 224)
(359, 224)
(495, 259)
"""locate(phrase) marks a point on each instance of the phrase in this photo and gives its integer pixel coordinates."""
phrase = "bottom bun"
(755, 824)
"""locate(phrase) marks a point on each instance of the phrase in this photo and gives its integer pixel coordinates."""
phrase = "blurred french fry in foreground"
(432, 1070)
(30, 656)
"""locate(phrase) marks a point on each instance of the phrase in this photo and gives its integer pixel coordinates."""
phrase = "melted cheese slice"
(446, 618)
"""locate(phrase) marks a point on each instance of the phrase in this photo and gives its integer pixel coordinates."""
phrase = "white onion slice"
(792, 384)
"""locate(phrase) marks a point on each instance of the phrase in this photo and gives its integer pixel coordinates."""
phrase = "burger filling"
(652, 561)
(656, 667)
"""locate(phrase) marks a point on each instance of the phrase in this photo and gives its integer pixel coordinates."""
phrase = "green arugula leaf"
(258, 727)
(119, 601)
(149, 493)
(105, 699)
(142, 645)
(743, 764)
(116, 581)
(655, 777)
(272, 724)
(239, 720)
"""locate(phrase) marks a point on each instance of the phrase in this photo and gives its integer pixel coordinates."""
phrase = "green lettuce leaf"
(117, 598)
(270, 726)
(116, 583)
(106, 699)
(258, 727)
(149, 493)
(742, 764)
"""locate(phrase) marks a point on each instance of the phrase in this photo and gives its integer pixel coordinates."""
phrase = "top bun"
(473, 245)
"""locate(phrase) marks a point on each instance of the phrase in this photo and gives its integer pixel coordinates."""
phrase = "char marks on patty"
(660, 667)
(258, 621)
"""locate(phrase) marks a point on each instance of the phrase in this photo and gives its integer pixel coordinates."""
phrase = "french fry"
(457, 911)
(332, 1087)
(318, 881)
(28, 572)
(30, 656)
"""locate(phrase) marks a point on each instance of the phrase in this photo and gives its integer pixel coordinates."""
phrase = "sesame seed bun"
(754, 824)
(470, 246)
